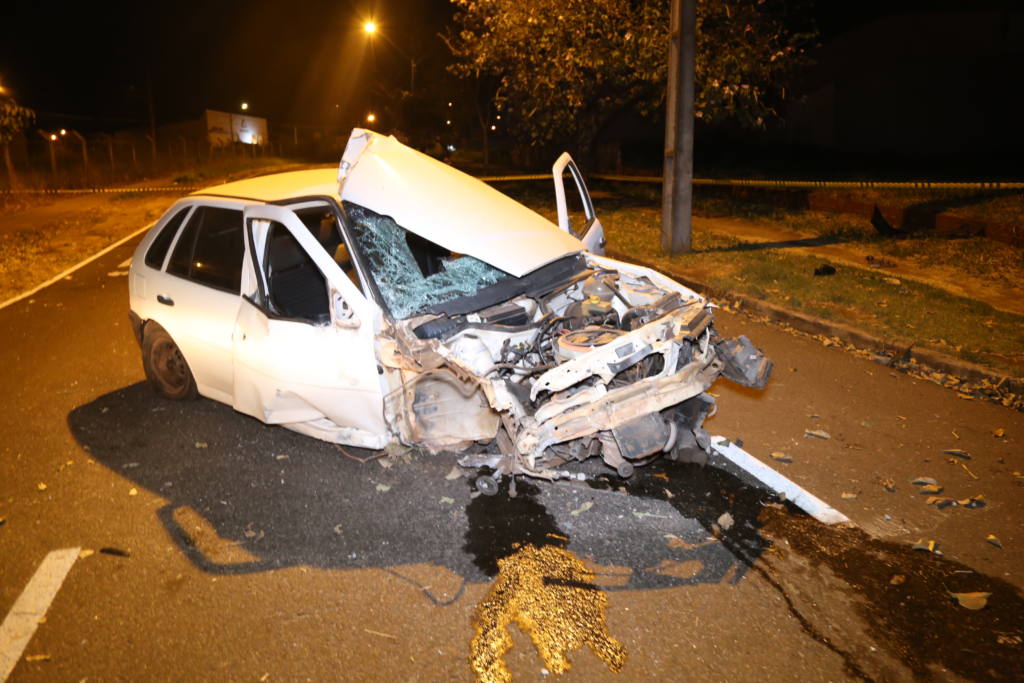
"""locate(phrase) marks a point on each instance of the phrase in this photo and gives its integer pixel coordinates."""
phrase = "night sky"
(299, 62)
(88, 64)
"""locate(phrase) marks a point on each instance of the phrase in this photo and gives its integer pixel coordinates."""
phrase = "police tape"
(722, 182)
(100, 190)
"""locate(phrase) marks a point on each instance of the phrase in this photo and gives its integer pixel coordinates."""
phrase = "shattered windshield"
(412, 273)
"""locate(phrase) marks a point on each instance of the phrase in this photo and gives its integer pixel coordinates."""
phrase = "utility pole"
(677, 181)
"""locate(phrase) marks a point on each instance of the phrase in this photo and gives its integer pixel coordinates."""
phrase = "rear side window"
(210, 249)
(158, 250)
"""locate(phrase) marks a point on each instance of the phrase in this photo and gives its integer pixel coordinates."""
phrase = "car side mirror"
(342, 313)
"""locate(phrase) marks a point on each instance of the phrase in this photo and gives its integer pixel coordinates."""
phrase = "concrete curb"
(897, 349)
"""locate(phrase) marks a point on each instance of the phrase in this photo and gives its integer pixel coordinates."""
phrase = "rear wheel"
(166, 369)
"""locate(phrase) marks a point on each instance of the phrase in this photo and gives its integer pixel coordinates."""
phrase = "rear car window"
(158, 250)
(210, 249)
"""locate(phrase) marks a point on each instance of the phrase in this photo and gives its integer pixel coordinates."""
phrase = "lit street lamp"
(370, 29)
(371, 117)
(245, 106)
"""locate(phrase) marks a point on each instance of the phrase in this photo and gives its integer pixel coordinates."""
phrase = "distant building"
(223, 128)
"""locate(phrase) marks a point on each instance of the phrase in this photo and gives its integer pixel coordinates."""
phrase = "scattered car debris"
(817, 433)
(927, 545)
(924, 481)
(281, 456)
(85, 552)
(847, 495)
(338, 529)
(133, 491)
(968, 471)
(582, 508)
(379, 633)
(825, 269)
(930, 489)
(977, 501)
(383, 488)
(972, 601)
(957, 452)
(940, 501)
(898, 579)
(889, 485)
(877, 262)
(779, 456)
(993, 540)
(117, 552)
(37, 658)
(999, 433)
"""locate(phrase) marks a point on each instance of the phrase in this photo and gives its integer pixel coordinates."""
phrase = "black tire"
(166, 369)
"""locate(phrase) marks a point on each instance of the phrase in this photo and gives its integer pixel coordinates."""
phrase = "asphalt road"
(222, 549)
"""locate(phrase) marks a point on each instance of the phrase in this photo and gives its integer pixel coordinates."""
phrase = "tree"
(565, 68)
(13, 119)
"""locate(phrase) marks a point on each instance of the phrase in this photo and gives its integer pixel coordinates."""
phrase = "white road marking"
(23, 619)
(61, 276)
(799, 496)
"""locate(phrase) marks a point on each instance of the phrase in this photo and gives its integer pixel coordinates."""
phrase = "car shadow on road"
(244, 497)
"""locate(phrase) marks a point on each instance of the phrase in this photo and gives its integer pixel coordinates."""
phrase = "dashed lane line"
(31, 606)
(60, 276)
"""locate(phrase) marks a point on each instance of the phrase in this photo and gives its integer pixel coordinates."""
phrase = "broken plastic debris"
(817, 433)
(958, 453)
(445, 500)
(972, 601)
(999, 433)
(454, 474)
(940, 501)
(202, 444)
(383, 488)
(846, 495)
(927, 545)
(37, 658)
(977, 501)
(582, 508)
(898, 579)
(41, 486)
(994, 541)
(889, 485)
(781, 457)
(726, 521)
(924, 481)
(930, 488)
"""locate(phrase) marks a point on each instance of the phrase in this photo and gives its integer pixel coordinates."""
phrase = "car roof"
(279, 186)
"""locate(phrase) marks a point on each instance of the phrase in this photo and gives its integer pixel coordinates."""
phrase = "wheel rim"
(170, 366)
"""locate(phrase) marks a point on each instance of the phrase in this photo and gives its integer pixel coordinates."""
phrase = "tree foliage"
(13, 119)
(565, 67)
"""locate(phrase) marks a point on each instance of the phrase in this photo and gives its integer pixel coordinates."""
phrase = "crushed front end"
(587, 357)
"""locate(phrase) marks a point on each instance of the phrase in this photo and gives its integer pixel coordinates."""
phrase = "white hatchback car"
(398, 299)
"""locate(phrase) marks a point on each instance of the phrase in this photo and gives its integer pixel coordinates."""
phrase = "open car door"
(585, 224)
(304, 339)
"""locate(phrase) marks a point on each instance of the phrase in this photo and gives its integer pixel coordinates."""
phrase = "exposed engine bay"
(589, 357)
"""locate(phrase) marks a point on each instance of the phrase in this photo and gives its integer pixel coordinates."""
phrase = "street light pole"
(677, 184)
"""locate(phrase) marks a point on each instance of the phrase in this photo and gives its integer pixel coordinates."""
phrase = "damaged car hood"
(447, 206)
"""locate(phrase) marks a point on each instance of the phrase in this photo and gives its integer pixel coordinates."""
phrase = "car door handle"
(165, 300)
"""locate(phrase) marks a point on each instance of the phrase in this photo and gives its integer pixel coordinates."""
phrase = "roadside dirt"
(956, 281)
(50, 234)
